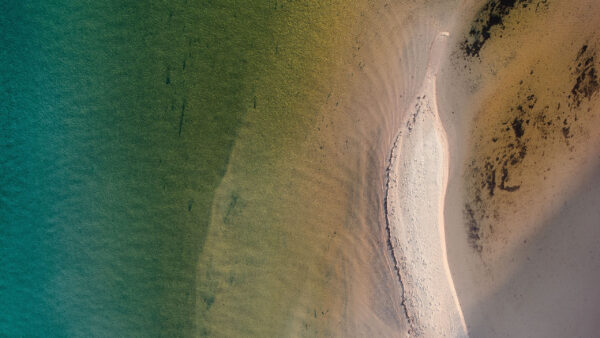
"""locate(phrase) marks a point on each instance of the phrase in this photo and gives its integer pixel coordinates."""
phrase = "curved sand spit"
(416, 189)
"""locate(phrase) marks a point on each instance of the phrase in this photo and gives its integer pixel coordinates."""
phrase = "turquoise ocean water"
(180, 168)
(117, 120)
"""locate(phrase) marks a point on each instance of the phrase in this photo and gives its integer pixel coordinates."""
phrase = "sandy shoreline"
(417, 179)
(491, 202)
(338, 197)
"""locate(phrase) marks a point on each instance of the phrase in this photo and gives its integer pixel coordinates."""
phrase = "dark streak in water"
(181, 117)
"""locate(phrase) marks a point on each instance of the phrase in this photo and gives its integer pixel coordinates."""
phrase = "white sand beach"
(416, 190)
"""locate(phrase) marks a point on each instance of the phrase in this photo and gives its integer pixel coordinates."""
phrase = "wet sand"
(519, 105)
(520, 112)
(298, 226)
(302, 240)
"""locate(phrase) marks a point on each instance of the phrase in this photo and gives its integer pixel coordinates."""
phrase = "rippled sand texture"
(203, 168)
(297, 243)
(520, 105)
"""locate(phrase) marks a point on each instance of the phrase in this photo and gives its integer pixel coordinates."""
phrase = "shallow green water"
(117, 124)
(190, 169)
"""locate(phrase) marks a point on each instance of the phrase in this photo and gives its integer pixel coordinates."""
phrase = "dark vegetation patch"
(503, 185)
(492, 15)
(509, 143)
(526, 126)
(474, 229)
(517, 125)
(586, 76)
(490, 178)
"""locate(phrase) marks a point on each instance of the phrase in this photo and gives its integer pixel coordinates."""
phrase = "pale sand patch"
(415, 202)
